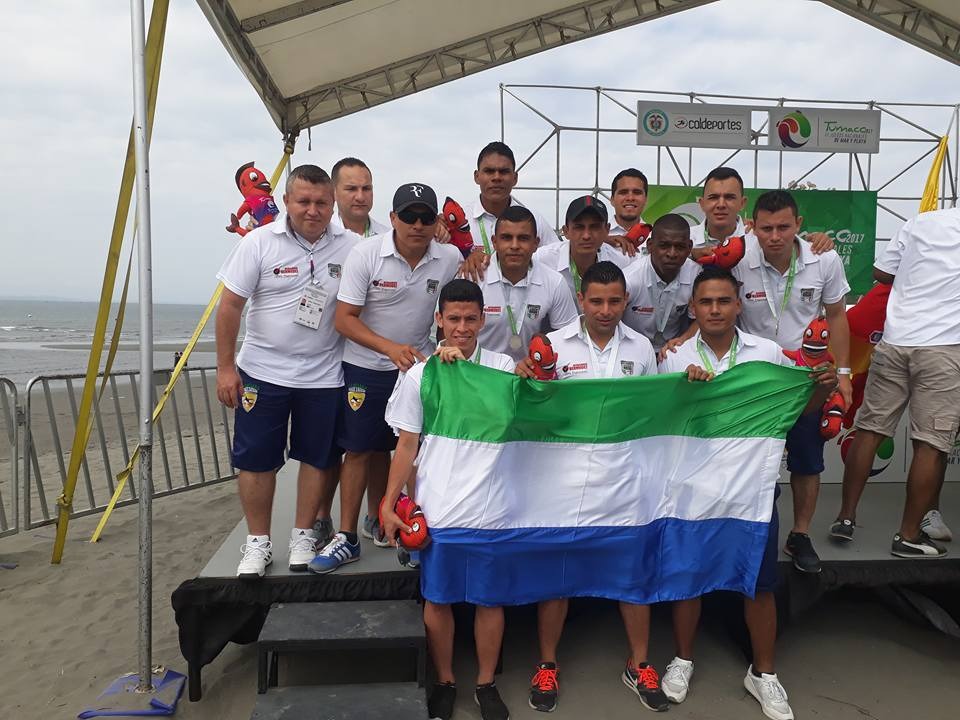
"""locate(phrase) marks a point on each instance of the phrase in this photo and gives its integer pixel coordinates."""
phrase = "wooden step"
(374, 701)
(363, 625)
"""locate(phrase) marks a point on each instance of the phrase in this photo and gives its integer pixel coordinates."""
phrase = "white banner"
(824, 130)
(693, 124)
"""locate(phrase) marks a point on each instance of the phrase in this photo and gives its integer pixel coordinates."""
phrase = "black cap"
(414, 194)
(584, 204)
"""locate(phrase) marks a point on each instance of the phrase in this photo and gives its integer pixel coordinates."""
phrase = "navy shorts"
(364, 401)
(260, 426)
(767, 576)
(805, 445)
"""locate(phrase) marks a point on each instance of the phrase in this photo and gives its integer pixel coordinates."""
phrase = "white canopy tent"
(315, 60)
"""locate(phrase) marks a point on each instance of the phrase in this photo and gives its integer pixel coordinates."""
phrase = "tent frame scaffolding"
(615, 113)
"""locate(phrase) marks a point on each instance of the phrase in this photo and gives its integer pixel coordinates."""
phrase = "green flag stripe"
(470, 402)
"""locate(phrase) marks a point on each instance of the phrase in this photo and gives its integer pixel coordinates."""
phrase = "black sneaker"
(645, 682)
(842, 529)
(922, 547)
(441, 701)
(805, 558)
(491, 706)
(544, 688)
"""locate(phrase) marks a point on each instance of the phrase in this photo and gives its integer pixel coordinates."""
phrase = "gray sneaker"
(922, 547)
(842, 529)
(371, 530)
(324, 532)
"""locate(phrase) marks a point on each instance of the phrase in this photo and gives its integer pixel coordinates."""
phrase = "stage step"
(364, 625)
(373, 701)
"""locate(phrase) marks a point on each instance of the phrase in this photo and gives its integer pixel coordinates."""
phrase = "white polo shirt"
(618, 229)
(924, 305)
(541, 299)
(749, 348)
(405, 409)
(701, 238)
(556, 256)
(819, 280)
(656, 306)
(398, 302)
(270, 267)
(627, 353)
(480, 218)
(373, 227)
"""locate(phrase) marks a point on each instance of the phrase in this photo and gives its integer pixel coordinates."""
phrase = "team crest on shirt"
(626, 367)
(334, 270)
(806, 294)
(432, 286)
(533, 312)
(249, 397)
(356, 394)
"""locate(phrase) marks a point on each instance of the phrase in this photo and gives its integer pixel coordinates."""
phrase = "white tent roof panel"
(314, 60)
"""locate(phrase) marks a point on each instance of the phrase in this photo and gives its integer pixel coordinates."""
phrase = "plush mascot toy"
(412, 516)
(727, 254)
(813, 351)
(639, 233)
(866, 320)
(257, 200)
(543, 357)
(456, 221)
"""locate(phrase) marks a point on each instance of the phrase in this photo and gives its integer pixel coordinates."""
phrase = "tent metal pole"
(141, 153)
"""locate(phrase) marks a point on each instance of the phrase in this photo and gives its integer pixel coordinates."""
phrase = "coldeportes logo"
(882, 459)
(794, 130)
(655, 122)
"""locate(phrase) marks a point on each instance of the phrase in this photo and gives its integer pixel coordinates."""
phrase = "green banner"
(847, 216)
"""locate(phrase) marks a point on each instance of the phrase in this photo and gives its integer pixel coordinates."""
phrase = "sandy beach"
(68, 631)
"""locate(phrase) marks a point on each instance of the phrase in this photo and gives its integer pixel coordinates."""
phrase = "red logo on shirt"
(574, 367)
(386, 284)
(642, 309)
(288, 271)
(493, 309)
(756, 295)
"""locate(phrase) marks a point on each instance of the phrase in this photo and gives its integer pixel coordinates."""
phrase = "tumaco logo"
(794, 130)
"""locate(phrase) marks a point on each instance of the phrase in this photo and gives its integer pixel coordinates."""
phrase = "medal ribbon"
(483, 236)
(732, 354)
(791, 276)
(614, 349)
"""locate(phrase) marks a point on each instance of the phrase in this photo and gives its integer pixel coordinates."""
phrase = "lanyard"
(366, 229)
(309, 251)
(514, 327)
(575, 274)
(732, 354)
(483, 236)
(791, 276)
(661, 313)
(476, 358)
(613, 347)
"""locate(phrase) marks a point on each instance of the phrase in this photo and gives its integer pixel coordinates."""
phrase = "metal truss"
(904, 134)
(909, 20)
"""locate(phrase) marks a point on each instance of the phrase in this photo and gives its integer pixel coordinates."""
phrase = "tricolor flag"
(640, 489)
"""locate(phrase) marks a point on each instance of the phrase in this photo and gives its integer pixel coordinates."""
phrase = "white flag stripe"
(469, 484)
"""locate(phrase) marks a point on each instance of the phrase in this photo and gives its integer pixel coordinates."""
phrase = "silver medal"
(659, 340)
(516, 343)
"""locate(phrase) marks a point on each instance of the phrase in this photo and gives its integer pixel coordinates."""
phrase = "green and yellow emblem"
(356, 394)
(249, 397)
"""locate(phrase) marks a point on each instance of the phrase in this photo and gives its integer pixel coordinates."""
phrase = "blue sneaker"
(335, 553)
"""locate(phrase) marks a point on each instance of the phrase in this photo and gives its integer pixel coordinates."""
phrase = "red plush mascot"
(813, 351)
(543, 357)
(866, 320)
(456, 221)
(727, 254)
(257, 200)
(639, 233)
(412, 516)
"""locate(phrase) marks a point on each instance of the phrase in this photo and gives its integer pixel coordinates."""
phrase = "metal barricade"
(192, 440)
(9, 458)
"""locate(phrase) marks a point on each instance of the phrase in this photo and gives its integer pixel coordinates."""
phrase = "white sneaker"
(256, 557)
(676, 679)
(303, 549)
(934, 526)
(769, 693)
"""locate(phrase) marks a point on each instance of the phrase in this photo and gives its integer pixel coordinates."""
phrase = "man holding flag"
(717, 347)
(598, 345)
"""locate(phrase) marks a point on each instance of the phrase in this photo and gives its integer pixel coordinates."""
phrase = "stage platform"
(216, 608)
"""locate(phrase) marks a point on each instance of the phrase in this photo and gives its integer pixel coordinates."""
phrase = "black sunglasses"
(409, 217)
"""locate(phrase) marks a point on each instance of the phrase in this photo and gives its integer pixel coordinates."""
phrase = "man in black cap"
(385, 308)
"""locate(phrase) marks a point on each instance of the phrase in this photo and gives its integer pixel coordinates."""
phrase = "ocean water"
(39, 337)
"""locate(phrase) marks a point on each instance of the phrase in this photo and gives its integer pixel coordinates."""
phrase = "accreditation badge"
(356, 394)
(249, 397)
(626, 367)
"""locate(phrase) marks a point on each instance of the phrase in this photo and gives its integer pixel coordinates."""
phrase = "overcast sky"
(66, 103)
